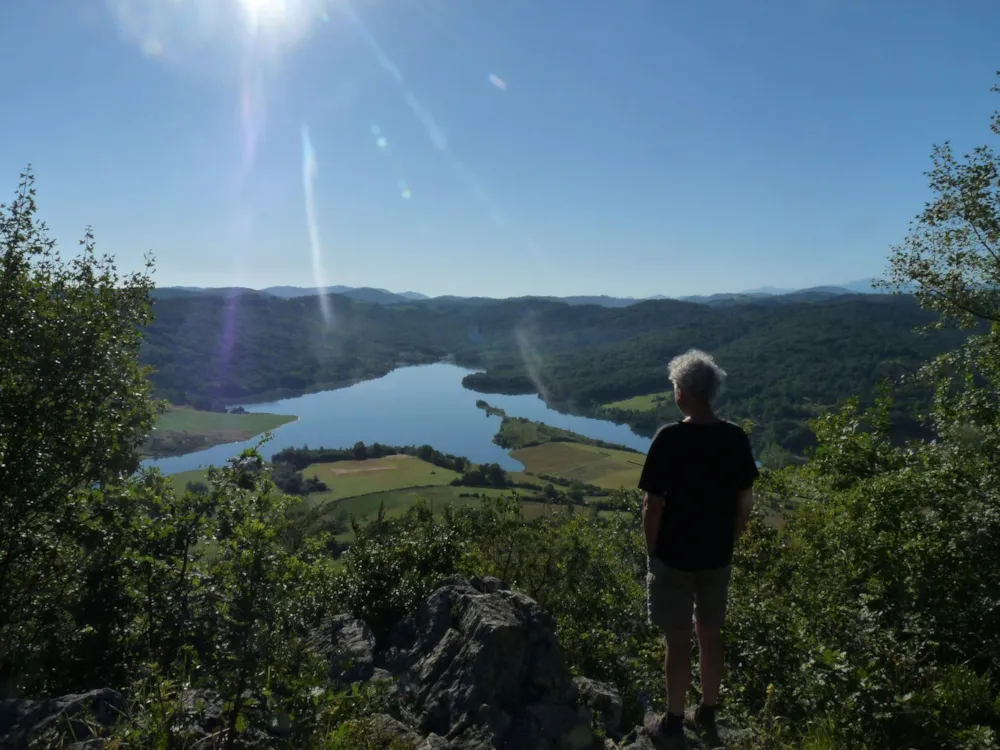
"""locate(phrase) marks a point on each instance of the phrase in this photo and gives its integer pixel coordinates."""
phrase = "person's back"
(698, 479)
(701, 468)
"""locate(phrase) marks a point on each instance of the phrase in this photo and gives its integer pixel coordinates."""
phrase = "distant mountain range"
(763, 295)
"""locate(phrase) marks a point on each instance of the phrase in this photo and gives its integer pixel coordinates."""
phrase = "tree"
(952, 253)
(74, 403)
(951, 259)
(360, 451)
(198, 488)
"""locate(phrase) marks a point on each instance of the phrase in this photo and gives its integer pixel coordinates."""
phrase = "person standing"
(698, 482)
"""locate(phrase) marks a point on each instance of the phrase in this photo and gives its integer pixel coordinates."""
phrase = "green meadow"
(183, 430)
(649, 402)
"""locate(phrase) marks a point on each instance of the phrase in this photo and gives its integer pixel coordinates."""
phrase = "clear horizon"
(766, 289)
(478, 149)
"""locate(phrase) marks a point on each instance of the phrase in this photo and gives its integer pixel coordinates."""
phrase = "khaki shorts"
(672, 596)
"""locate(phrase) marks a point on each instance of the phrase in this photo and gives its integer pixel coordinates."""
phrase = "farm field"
(642, 403)
(604, 467)
(351, 478)
(182, 430)
(396, 502)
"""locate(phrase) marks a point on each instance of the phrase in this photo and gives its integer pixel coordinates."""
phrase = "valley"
(560, 468)
(788, 359)
(575, 391)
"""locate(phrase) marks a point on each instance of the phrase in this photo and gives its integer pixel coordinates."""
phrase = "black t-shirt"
(699, 470)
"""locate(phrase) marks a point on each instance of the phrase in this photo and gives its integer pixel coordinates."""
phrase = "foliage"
(487, 475)
(952, 254)
(874, 609)
(290, 481)
(395, 563)
(74, 404)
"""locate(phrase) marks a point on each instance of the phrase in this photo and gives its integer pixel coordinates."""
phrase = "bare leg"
(678, 669)
(710, 656)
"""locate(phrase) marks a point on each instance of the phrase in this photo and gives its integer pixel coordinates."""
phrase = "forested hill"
(786, 361)
(245, 344)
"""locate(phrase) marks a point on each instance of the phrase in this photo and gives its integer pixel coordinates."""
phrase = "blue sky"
(492, 147)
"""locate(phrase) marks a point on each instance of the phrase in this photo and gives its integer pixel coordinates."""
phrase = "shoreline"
(281, 394)
(153, 456)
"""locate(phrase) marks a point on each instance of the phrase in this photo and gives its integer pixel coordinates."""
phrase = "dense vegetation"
(869, 618)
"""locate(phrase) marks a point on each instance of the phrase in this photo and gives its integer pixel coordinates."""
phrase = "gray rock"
(604, 700)
(389, 729)
(637, 742)
(348, 645)
(435, 742)
(479, 665)
(381, 675)
(638, 739)
(489, 584)
(22, 721)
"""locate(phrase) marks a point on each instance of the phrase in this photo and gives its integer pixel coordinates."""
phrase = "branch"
(964, 308)
(985, 244)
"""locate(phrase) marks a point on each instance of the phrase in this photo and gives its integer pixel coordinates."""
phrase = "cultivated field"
(604, 467)
(642, 403)
(352, 478)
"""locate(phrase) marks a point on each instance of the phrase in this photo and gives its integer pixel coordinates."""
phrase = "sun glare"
(264, 13)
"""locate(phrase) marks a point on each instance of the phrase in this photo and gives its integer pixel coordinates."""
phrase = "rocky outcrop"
(27, 721)
(478, 666)
(475, 667)
(348, 645)
(604, 701)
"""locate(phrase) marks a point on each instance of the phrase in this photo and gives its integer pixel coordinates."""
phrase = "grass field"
(585, 463)
(351, 478)
(642, 403)
(396, 502)
(180, 431)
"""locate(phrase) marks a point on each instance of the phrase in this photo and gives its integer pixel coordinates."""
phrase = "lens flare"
(532, 362)
(209, 36)
(310, 168)
(253, 108)
(423, 115)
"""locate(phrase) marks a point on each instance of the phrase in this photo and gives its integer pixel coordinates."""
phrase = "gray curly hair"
(696, 374)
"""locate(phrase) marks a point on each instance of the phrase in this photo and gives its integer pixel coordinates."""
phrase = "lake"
(409, 406)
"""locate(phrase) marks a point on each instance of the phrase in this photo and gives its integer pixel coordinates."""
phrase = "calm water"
(409, 406)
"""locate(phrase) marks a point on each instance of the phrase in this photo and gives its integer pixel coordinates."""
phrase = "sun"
(265, 13)
(207, 35)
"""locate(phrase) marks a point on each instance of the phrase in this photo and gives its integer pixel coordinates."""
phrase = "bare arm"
(652, 514)
(744, 504)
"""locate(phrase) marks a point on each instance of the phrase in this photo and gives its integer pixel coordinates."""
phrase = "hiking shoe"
(702, 721)
(656, 727)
